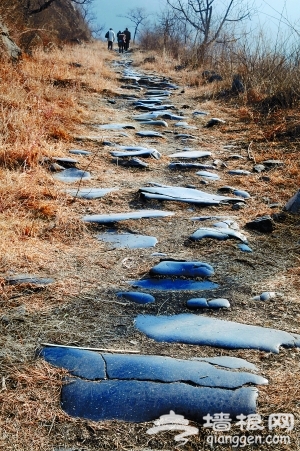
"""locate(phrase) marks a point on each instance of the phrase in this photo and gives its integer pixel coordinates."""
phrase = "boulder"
(264, 224)
(7, 45)
(293, 205)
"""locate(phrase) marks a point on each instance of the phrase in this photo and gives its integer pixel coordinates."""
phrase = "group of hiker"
(123, 39)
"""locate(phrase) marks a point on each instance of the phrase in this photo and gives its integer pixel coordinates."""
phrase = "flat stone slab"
(235, 157)
(208, 175)
(227, 223)
(131, 163)
(188, 195)
(239, 172)
(172, 117)
(137, 153)
(241, 193)
(185, 125)
(72, 175)
(205, 331)
(67, 161)
(129, 86)
(153, 107)
(27, 278)
(200, 113)
(178, 165)
(226, 189)
(116, 126)
(265, 296)
(185, 269)
(174, 285)
(160, 92)
(94, 366)
(141, 388)
(218, 233)
(129, 240)
(167, 369)
(156, 123)
(147, 116)
(80, 152)
(87, 364)
(90, 193)
(244, 248)
(153, 101)
(196, 303)
(273, 163)
(143, 401)
(138, 298)
(115, 217)
(133, 148)
(228, 362)
(208, 218)
(215, 121)
(184, 136)
(221, 224)
(149, 134)
(192, 154)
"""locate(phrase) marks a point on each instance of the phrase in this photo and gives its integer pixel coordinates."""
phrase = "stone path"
(128, 387)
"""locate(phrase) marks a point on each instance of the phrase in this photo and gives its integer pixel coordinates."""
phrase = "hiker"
(121, 41)
(128, 37)
(110, 36)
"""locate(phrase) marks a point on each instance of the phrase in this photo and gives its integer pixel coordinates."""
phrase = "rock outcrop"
(7, 46)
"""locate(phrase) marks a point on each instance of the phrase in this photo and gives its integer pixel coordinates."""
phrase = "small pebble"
(265, 296)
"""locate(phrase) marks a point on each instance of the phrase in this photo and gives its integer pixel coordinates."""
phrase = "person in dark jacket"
(121, 41)
(128, 37)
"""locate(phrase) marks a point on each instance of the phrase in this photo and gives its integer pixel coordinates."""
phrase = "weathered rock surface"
(27, 278)
(264, 224)
(202, 330)
(141, 388)
(7, 45)
(186, 269)
(115, 217)
(174, 285)
(137, 297)
(293, 205)
(90, 193)
(72, 175)
(129, 240)
(181, 194)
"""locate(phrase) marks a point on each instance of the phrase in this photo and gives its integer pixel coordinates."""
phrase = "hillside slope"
(61, 22)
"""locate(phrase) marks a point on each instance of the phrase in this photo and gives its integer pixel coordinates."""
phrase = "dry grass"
(38, 118)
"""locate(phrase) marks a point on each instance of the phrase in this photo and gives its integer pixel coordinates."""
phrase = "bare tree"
(90, 19)
(173, 28)
(138, 16)
(31, 7)
(208, 18)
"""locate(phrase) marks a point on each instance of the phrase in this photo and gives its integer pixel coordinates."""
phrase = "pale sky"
(268, 15)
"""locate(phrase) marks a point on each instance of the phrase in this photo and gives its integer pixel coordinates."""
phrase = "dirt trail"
(83, 309)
